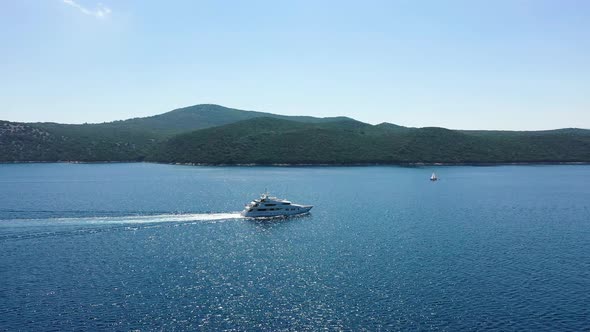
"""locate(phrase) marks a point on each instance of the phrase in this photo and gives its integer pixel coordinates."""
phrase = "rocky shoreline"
(412, 164)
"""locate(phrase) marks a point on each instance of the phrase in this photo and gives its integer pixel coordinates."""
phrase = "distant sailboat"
(433, 177)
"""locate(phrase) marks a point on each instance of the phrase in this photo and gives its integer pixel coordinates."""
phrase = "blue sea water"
(162, 247)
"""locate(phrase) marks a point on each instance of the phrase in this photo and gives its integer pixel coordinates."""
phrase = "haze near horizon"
(507, 65)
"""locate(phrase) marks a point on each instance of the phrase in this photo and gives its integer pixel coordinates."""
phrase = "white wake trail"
(158, 218)
(132, 219)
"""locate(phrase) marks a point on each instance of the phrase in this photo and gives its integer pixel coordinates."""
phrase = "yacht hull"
(281, 213)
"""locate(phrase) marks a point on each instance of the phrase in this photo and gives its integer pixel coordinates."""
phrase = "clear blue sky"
(456, 64)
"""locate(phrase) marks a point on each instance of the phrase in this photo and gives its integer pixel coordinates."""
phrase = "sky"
(502, 64)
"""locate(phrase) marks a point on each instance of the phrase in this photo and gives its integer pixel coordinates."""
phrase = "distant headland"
(216, 135)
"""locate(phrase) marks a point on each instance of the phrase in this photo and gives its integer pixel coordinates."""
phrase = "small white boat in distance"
(433, 177)
(267, 206)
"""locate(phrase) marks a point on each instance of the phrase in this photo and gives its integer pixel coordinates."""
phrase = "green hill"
(270, 141)
(200, 117)
(127, 140)
(218, 135)
(58, 142)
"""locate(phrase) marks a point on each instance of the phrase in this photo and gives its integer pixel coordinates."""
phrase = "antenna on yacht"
(265, 195)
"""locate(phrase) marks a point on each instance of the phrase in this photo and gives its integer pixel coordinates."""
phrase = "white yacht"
(267, 206)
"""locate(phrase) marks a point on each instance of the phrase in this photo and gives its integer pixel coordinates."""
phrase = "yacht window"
(261, 209)
(270, 204)
(286, 203)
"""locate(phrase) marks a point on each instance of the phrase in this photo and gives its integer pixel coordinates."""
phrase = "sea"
(154, 247)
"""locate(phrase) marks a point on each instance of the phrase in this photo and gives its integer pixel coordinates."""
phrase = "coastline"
(406, 164)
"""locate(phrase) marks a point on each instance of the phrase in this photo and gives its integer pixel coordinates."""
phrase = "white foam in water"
(145, 219)
(135, 219)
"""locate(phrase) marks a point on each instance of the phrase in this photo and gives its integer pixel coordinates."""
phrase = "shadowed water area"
(148, 246)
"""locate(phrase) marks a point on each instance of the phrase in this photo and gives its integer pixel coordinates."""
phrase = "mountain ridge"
(213, 134)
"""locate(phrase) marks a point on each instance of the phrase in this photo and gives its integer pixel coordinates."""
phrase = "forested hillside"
(212, 134)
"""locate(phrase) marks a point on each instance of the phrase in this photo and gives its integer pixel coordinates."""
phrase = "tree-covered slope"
(56, 142)
(268, 141)
(128, 140)
(202, 116)
(229, 136)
